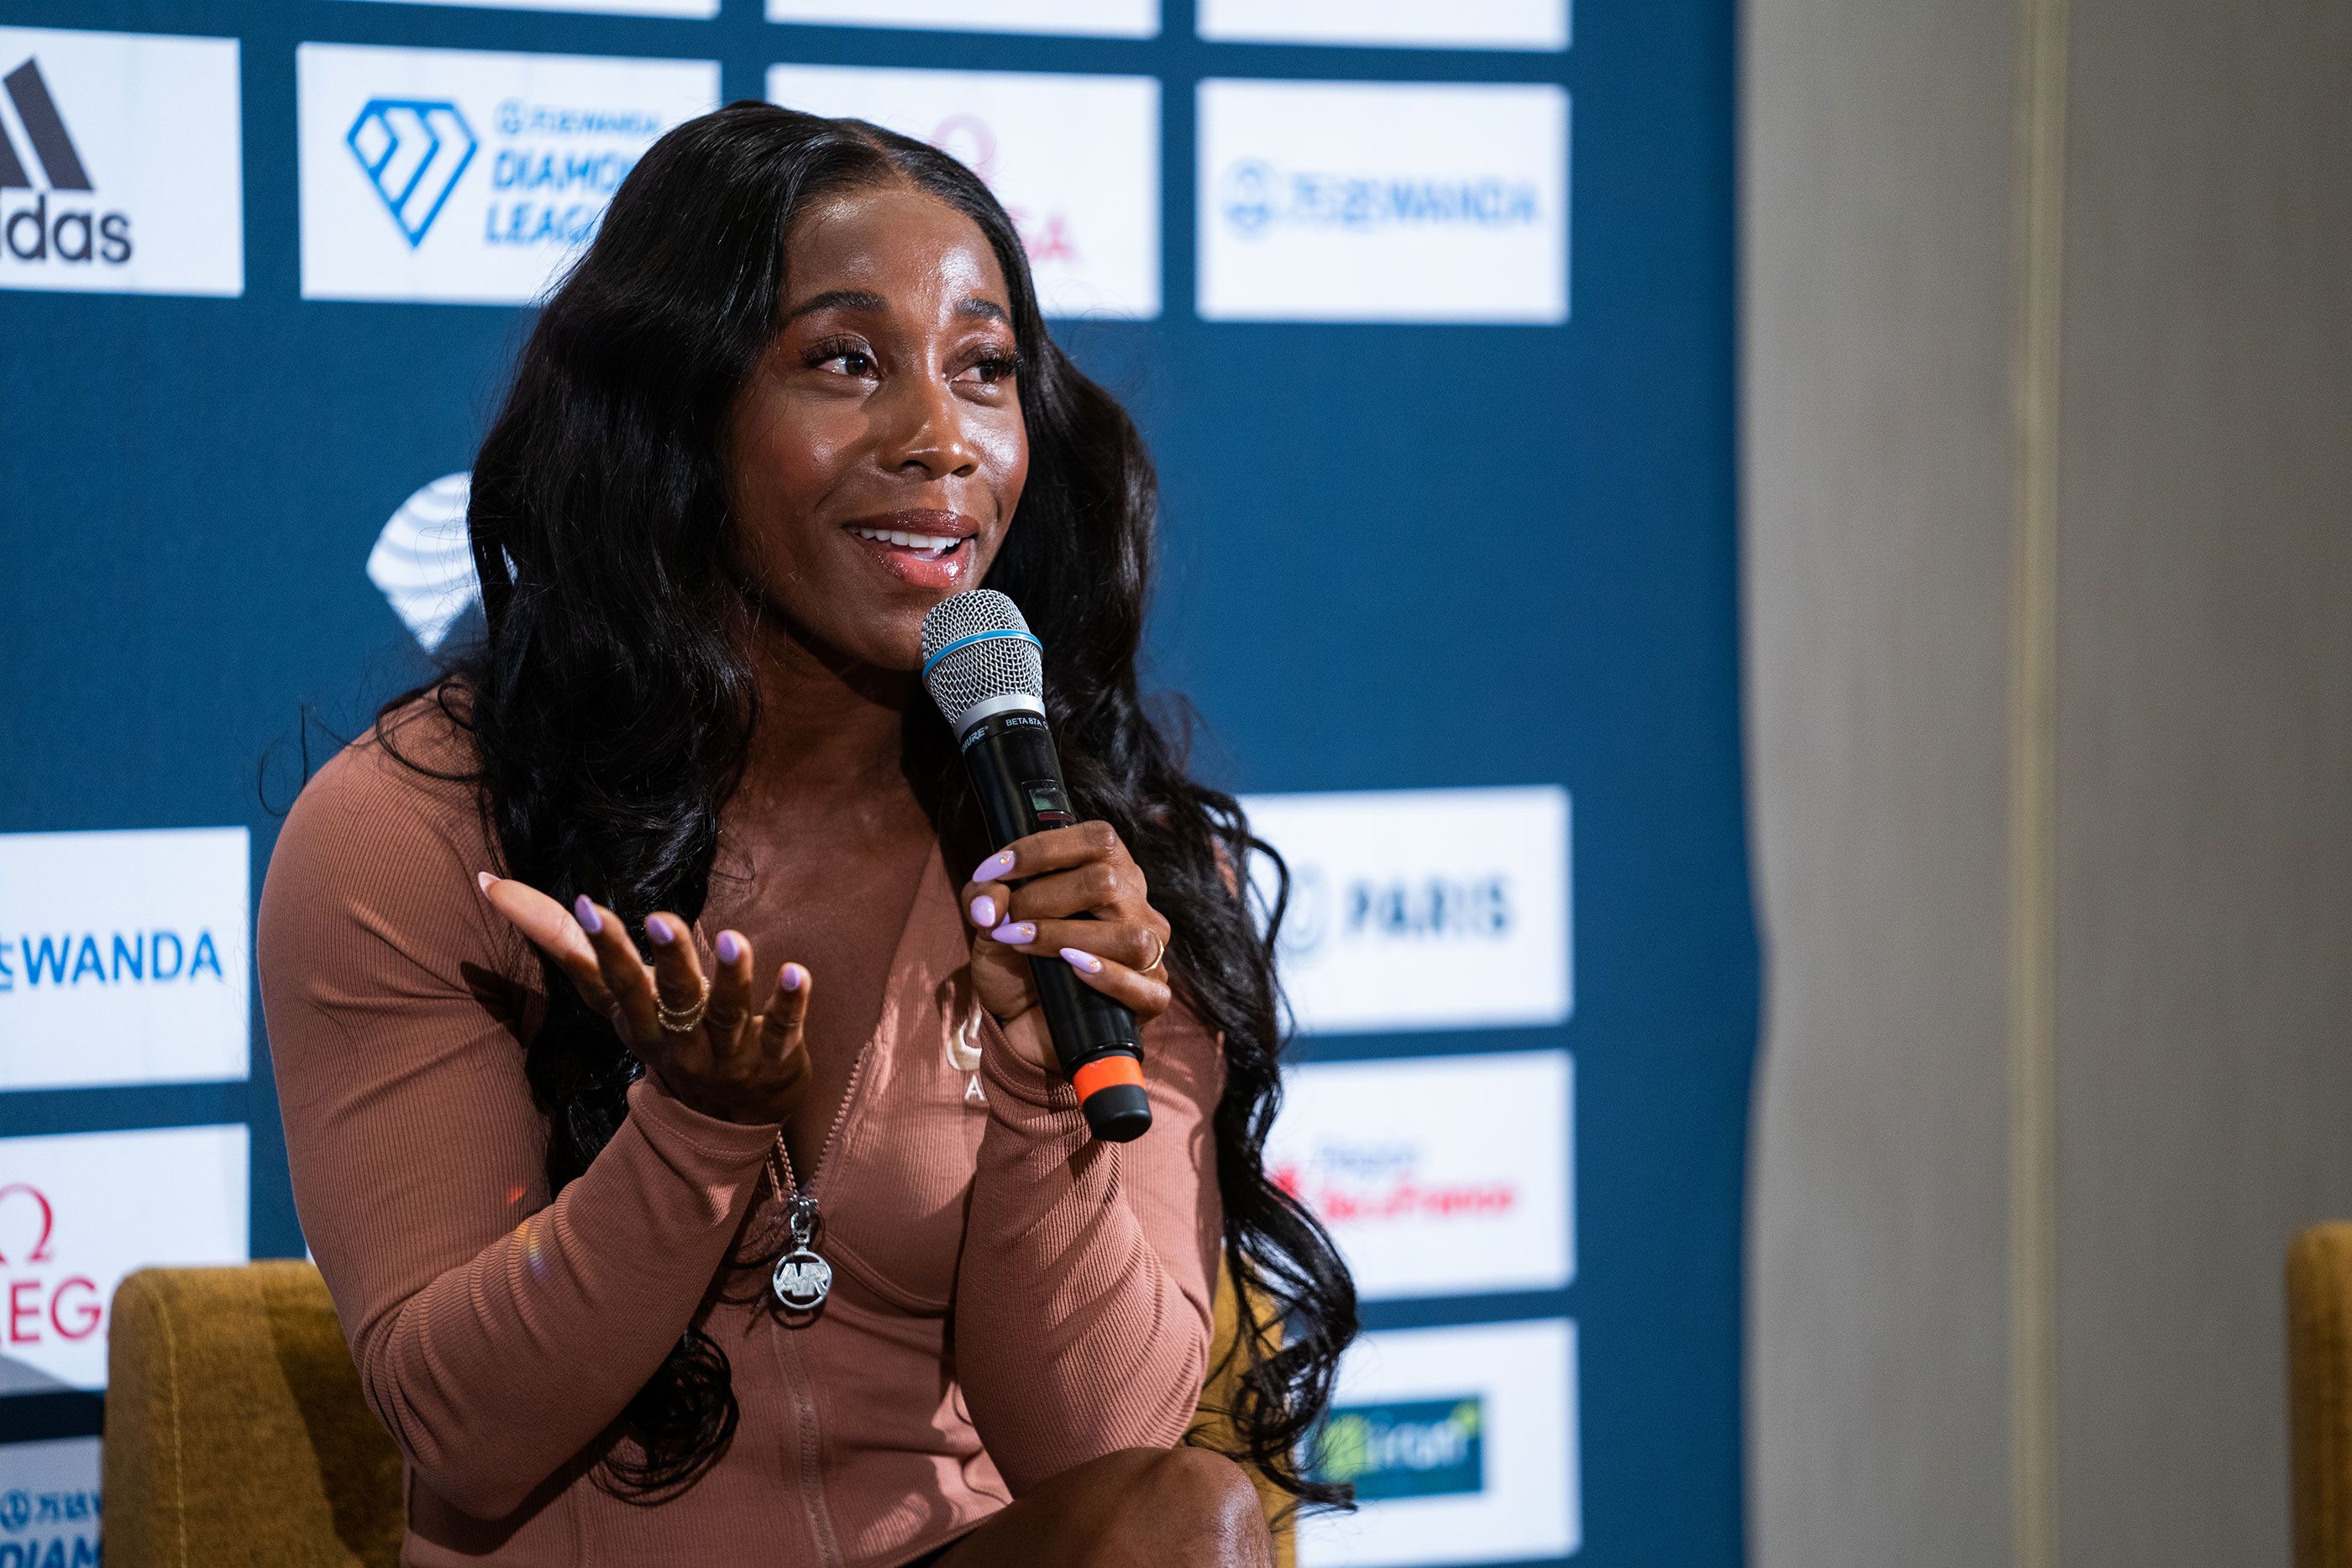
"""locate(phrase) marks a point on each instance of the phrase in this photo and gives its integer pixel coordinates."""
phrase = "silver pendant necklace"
(803, 1280)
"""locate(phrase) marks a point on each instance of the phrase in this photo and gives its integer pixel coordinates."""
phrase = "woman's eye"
(996, 368)
(850, 359)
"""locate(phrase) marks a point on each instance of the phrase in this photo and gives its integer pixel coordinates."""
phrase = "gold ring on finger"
(1161, 953)
(681, 1021)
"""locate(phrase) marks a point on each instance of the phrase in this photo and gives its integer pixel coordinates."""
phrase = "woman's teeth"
(933, 544)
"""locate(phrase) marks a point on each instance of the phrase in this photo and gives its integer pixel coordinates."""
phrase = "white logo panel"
(1384, 202)
(49, 1505)
(1075, 160)
(1423, 909)
(1094, 19)
(1509, 1494)
(123, 956)
(689, 10)
(1437, 1175)
(423, 561)
(122, 169)
(78, 1211)
(1428, 23)
(445, 174)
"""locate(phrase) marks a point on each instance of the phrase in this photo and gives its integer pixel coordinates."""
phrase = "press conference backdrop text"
(1425, 309)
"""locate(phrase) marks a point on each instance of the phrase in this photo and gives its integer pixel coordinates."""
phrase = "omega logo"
(40, 1308)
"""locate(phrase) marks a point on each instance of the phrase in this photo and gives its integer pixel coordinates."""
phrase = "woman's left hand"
(1079, 870)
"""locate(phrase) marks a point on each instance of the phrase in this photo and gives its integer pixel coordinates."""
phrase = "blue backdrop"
(1396, 555)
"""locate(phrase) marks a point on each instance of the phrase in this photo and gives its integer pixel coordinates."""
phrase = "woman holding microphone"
(658, 942)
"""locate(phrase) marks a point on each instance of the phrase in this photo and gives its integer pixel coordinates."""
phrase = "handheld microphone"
(987, 673)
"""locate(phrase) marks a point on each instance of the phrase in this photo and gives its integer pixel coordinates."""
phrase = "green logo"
(1416, 1448)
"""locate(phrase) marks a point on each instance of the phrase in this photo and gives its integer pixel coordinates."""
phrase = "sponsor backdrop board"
(1439, 1175)
(1087, 207)
(1455, 1437)
(1327, 201)
(80, 1210)
(119, 168)
(482, 173)
(698, 9)
(1425, 309)
(49, 1503)
(1423, 909)
(1458, 23)
(1101, 18)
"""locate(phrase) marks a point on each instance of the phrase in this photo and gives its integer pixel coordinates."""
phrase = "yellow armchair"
(2319, 1377)
(236, 1431)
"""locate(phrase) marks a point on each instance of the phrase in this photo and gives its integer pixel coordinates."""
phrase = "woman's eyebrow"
(837, 299)
(863, 300)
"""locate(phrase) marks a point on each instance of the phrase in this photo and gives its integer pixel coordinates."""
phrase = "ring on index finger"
(682, 1020)
(1160, 952)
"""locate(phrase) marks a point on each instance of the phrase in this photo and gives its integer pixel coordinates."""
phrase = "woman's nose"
(929, 430)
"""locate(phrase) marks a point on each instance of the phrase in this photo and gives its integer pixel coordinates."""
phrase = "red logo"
(968, 139)
(1354, 1187)
(42, 1304)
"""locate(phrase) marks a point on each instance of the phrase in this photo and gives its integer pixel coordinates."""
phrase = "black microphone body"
(1017, 774)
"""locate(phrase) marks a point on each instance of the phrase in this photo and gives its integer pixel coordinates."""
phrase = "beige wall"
(2205, 755)
(1876, 493)
(2204, 762)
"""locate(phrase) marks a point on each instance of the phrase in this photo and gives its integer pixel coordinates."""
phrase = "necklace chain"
(802, 1279)
(789, 1187)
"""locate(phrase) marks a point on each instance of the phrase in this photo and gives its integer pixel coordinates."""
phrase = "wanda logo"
(44, 1306)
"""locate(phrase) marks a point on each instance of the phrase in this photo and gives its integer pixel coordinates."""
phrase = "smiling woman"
(915, 330)
(558, 1107)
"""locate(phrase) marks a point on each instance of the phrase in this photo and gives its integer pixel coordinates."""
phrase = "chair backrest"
(236, 1430)
(1213, 1425)
(2319, 1377)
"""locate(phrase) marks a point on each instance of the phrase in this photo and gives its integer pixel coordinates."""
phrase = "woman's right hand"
(735, 1064)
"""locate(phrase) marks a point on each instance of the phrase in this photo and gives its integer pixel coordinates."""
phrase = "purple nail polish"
(793, 976)
(1013, 932)
(730, 946)
(1086, 961)
(658, 929)
(983, 911)
(585, 909)
(996, 865)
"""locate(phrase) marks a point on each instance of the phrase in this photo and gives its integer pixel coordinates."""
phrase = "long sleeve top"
(1009, 1298)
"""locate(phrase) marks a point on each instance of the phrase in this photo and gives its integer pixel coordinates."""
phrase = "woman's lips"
(925, 560)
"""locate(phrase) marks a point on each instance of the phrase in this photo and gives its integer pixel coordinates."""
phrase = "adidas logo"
(62, 231)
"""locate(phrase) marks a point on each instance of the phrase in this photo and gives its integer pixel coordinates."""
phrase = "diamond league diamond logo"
(413, 150)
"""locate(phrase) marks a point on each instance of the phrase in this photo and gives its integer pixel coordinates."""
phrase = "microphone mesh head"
(992, 667)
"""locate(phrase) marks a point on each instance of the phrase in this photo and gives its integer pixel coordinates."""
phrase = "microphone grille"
(976, 646)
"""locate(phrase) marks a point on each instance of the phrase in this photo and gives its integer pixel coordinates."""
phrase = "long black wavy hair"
(611, 700)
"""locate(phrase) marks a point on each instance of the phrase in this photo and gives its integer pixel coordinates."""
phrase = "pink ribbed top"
(1009, 1298)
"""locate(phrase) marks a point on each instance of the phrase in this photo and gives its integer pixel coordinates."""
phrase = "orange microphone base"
(1110, 1093)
